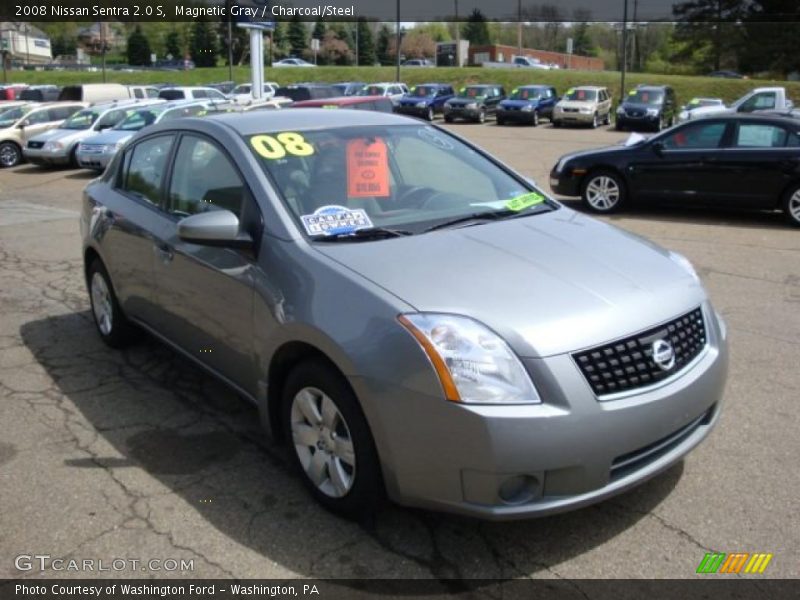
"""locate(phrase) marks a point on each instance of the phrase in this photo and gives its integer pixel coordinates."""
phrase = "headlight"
(474, 364)
(471, 105)
(52, 146)
(652, 112)
(421, 105)
(620, 110)
(684, 115)
(685, 263)
(527, 108)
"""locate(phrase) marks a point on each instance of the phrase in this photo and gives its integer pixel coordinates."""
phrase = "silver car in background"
(408, 313)
(59, 146)
(97, 151)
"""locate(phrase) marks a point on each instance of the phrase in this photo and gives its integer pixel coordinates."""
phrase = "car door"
(547, 102)
(605, 103)
(205, 293)
(127, 218)
(676, 166)
(759, 163)
(38, 121)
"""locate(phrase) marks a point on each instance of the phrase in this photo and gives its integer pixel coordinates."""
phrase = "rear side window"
(152, 93)
(146, 165)
(41, 116)
(171, 94)
(137, 93)
(199, 94)
(696, 136)
(757, 135)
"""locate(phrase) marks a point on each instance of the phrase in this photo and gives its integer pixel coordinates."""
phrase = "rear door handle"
(164, 252)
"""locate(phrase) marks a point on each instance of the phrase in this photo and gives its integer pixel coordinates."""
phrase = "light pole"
(397, 39)
(230, 40)
(458, 38)
(624, 46)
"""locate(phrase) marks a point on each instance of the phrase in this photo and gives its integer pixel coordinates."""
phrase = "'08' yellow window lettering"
(278, 146)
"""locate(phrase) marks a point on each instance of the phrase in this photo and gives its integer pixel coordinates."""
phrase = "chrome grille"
(628, 363)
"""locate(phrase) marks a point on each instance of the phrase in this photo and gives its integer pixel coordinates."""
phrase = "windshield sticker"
(330, 106)
(570, 91)
(694, 102)
(278, 146)
(632, 93)
(515, 90)
(524, 201)
(335, 220)
(367, 168)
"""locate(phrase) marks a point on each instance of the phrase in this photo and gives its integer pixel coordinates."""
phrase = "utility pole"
(357, 48)
(397, 33)
(103, 48)
(519, 27)
(230, 39)
(635, 41)
(624, 46)
(458, 38)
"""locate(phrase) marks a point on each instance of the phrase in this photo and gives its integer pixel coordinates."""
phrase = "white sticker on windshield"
(335, 220)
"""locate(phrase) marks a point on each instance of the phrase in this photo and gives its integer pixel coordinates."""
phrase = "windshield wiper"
(374, 233)
(495, 215)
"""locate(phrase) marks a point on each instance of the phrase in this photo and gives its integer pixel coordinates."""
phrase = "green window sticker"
(694, 102)
(515, 90)
(413, 88)
(571, 91)
(632, 93)
(462, 90)
(524, 201)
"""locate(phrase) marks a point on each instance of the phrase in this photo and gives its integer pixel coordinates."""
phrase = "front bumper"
(522, 116)
(412, 110)
(565, 183)
(573, 450)
(625, 120)
(469, 114)
(39, 156)
(91, 160)
(573, 117)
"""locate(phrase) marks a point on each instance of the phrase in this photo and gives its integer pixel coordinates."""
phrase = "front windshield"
(473, 91)
(139, 120)
(371, 90)
(526, 94)
(424, 91)
(581, 95)
(81, 120)
(12, 115)
(645, 97)
(399, 177)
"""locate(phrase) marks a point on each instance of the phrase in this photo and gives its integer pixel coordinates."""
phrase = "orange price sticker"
(367, 168)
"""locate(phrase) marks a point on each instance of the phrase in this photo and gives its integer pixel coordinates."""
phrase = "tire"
(322, 417)
(112, 325)
(659, 124)
(535, 118)
(556, 123)
(430, 114)
(500, 120)
(10, 154)
(73, 158)
(791, 205)
(607, 120)
(603, 192)
(594, 121)
(482, 116)
(448, 119)
(618, 126)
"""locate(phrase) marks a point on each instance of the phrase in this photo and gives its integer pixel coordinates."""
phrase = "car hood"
(62, 135)
(548, 284)
(576, 104)
(593, 152)
(518, 103)
(702, 111)
(413, 100)
(111, 136)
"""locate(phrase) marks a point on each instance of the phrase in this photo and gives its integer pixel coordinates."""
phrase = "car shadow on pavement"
(701, 215)
(183, 446)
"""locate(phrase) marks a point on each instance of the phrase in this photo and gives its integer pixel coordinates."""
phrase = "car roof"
(748, 117)
(651, 87)
(590, 87)
(338, 100)
(311, 118)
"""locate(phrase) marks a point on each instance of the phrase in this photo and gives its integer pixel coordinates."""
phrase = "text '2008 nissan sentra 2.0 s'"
(408, 313)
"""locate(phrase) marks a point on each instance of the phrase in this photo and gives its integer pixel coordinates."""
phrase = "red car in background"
(376, 103)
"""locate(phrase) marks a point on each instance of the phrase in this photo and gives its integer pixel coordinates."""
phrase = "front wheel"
(482, 116)
(535, 119)
(332, 446)
(10, 154)
(594, 121)
(500, 120)
(448, 119)
(791, 205)
(112, 325)
(430, 115)
(607, 119)
(603, 192)
(556, 123)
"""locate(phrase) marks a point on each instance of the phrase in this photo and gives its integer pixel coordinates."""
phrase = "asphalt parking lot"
(138, 455)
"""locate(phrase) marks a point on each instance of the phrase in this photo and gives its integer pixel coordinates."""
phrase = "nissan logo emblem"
(663, 355)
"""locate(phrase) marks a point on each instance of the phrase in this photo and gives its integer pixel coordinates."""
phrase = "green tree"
(280, 42)
(706, 32)
(240, 42)
(476, 29)
(770, 44)
(174, 44)
(383, 46)
(138, 51)
(319, 30)
(297, 36)
(366, 44)
(203, 44)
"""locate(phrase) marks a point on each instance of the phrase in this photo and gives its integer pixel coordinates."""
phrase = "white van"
(95, 92)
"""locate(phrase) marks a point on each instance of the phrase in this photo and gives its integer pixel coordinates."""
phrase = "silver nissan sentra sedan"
(412, 316)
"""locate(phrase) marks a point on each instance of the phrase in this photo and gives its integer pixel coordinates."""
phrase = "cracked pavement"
(138, 454)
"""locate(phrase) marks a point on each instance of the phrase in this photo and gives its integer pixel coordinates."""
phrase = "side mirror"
(658, 148)
(214, 228)
(24, 124)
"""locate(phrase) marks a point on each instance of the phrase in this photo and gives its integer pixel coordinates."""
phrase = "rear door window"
(696, 136)
(759, 135)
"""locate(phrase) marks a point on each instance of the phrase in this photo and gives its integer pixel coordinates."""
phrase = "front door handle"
(164, 251)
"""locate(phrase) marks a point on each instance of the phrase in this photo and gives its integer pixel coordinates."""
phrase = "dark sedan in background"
(474, 103)
(743, 161)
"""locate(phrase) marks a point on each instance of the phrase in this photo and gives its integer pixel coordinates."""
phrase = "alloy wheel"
(323, 442)
(101, 304)
(535, 118)
(793, 207)
(602, 193)
(430, 114)
(9, 155)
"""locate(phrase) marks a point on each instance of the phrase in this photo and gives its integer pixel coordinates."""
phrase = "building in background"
(25, 43)
(499, 53)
